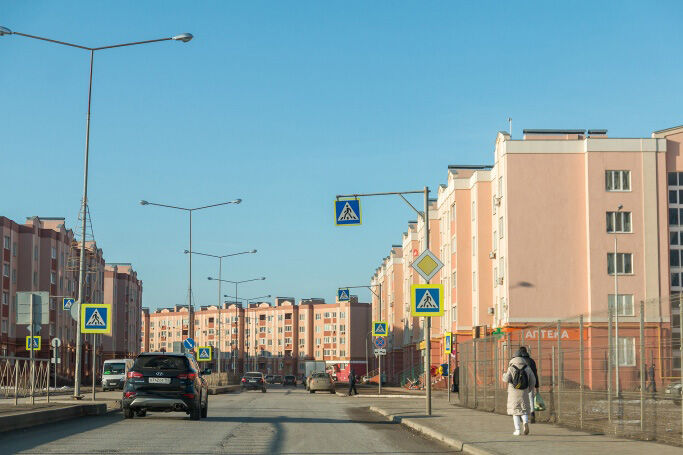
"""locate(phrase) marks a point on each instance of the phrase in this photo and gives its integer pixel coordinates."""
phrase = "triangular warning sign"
(96, 320)
(347, 214)
(427, 301)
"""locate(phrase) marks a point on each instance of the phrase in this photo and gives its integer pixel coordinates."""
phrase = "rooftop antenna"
(510, 126)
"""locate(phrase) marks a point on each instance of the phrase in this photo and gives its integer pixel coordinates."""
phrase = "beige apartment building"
(530, 239)
(43, 255)
(123, 291)
(275, 338)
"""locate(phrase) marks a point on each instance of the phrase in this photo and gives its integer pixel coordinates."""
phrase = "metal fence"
(603, 372)
(20, 378)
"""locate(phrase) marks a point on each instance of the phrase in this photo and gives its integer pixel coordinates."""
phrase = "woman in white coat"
(519, 404)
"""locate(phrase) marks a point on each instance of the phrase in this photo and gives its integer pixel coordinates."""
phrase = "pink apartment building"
(530, 239)
(42, 255)
(123, 291)
(273, 338)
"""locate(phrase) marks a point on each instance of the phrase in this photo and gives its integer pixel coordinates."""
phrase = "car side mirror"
(206, 372)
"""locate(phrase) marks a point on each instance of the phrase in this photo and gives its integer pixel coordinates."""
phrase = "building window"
(302, 317)
(342, 314)
(474, 246)
(674, 258)
(4, 326)
(624, 263)
(501, 267)
(500, 227)
(618, 180)
(53, 278)
(474, 281)
(473, 210)
(7, 242)
(14, 276)
(618, 221)
(676, 279)
(54, 253)
(5, 298)
(14, 249)
(453, 280)
(625, 304)
(302, 329)
(5, 270)
(342, 328)
(627, 351)
(317, 316)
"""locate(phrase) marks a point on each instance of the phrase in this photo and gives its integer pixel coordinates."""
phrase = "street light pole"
(220, 275)
(189, 286)
(616, 301)
(185, 37)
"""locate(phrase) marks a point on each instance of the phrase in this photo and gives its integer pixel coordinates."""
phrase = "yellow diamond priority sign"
(427, 265)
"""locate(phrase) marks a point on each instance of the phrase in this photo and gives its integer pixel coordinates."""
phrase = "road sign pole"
(428, 320)
(379, 359)
(94, 360)
(30, 345)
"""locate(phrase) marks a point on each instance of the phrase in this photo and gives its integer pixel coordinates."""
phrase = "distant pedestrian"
(521, 380)
(651, 385)
(456, 380)
(352, 382)
(524, 353)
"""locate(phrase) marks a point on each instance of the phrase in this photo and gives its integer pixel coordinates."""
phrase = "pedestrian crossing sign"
(35, 346)
(204, 353)
(95, 318)
(67, 303)
(379, 328)
(347, 212)
(426, 300)
(343, 295)
(447, 342)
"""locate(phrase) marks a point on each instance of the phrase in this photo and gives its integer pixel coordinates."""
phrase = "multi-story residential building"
(123, 291)
(43, 255)
(530, 239)
(274, 338)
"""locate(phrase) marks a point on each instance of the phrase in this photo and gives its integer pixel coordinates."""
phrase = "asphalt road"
(281, 421)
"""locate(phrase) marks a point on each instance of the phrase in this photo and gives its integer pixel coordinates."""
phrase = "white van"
(114, 373)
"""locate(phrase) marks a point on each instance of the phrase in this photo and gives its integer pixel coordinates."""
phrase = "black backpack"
(519, 380)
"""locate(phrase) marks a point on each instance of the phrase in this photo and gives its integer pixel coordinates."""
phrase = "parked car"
(254, 380)
(289, 380)
(277, 379)
(320, 381)
(165, 381)
(114, 373)
(270, 378)
(675, 391)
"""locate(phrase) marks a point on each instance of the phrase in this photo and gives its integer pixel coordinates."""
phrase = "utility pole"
(428, 320)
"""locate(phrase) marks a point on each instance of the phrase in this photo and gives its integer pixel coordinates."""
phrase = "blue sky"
(286, 104)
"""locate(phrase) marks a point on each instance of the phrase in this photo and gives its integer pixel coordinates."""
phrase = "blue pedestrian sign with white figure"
(188, 343)
(204, 353)
(95, 318)
(343, 295)
(67, 303)
(426, 300)
(379, 328)
(347, 212)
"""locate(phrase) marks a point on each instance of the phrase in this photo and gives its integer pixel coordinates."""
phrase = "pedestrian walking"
(651, 384)
(524, 353)
(521, 380)
(352, 382)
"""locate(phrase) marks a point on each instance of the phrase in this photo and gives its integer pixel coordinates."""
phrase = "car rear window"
(161, 362)
(253, 375)
(289, 377)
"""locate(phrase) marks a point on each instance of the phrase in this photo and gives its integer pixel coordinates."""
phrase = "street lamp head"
(263, 278)
(620, 207)
(253, 251)
(5, 31)
(143, 202)
(209, 278)
(237, 201)
(184, 37)
(186, 251)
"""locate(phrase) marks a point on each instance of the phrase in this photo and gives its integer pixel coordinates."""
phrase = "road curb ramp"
(423, 429)
(28, 419)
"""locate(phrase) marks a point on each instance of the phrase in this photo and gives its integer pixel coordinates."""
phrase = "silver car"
(320, 381)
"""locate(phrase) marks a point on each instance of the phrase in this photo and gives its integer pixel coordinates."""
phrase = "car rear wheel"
(311, 391)
(128, 413)
(333, 391)
(141, 413)
(196, 412)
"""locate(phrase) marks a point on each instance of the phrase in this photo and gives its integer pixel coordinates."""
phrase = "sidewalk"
(483, 433)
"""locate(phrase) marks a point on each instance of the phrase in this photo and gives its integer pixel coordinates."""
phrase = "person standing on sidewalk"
(521, 380)
(523, 353)
(352, 382)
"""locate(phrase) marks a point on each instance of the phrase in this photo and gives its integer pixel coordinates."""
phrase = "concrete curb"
(224, 389)
(42, 416)
(425, 430)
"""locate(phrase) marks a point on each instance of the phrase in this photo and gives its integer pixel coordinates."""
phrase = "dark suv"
(165, 381)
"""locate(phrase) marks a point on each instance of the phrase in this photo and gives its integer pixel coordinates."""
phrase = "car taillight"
(133, 374)
(129, 394)
(189, 376)
(188, 395)
(244, 379)
(260, 380)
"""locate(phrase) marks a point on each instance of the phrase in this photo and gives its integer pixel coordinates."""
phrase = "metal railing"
(589, 379)
(21, 378)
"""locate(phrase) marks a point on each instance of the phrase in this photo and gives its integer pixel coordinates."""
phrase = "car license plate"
(159, 380)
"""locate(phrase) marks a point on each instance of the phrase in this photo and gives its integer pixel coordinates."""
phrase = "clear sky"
(286, 104)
